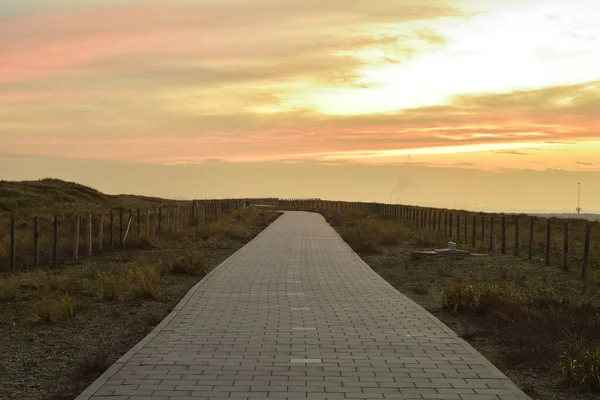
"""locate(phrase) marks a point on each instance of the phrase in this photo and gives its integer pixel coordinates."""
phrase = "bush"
(361, 244)
(580, 367)
(479, 299)
(192, 264)
(146, 280)
(44, 307)
(68, 305)
(110, 286)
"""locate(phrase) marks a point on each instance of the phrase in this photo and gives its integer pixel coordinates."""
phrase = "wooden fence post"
(121, 233)
(517, 236)
(148, 221)
(451, 231)
(36, 242)
(139, 223)
(566, 248)
(492, 234)
(483, 230)
(445, 223)
(130, 221)
(112, 229)
(503, 236)
(76, 238)
(159, 220)
(474, 234)
(90, 236)
(586, 251)
(13, 244)
(548, 241)
(531, 232)
(457, 228)
(101, 233)
(55, 240)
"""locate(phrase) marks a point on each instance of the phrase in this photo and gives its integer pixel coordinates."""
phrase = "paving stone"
(297, 314)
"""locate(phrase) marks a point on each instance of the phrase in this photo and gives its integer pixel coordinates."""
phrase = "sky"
(480, 104)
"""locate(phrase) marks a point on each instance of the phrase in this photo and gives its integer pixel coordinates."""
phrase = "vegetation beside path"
(61, 327)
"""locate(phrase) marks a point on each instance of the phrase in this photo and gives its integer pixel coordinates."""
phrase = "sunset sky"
(481, 104)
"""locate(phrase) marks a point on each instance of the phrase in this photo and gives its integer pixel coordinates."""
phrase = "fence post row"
(190, 215)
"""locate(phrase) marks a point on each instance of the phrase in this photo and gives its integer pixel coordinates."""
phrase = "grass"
(68, 305)
(191, 264)
(44, 308)
(109, 286)
(145, 279)
(580, 365)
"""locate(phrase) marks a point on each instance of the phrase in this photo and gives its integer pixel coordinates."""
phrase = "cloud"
(512, 152)
(232, 80)
(146, 127)
(66, 43)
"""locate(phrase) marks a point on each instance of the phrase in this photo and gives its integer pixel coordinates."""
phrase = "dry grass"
(109, 286)
(68, 305)
(580, 365)
(192, 264)
(44, 307)
(145, 279)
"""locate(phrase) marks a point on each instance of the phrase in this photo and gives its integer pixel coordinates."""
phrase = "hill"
(51, 196)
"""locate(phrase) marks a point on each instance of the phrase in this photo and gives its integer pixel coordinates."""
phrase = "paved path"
(297, 314)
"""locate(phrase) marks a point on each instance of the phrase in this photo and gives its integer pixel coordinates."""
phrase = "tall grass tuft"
(44, 307)
(580, 365)
(479, 298)
(109, 286)
(68, 305)
(146, 280)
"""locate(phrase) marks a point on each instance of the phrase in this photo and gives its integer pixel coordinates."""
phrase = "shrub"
(146, 280)
(43, 308)
(110, 286)
(580, 366)
(479, 299)
(68, 305)
(192, 264)
(361, 244)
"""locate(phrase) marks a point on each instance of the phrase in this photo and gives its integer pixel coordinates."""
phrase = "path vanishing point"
(296, 314)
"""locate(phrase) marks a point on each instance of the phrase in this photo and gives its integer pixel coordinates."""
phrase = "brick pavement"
(297, 314)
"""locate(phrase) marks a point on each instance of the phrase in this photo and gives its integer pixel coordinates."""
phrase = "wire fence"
(69, 236)
(567, 243)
